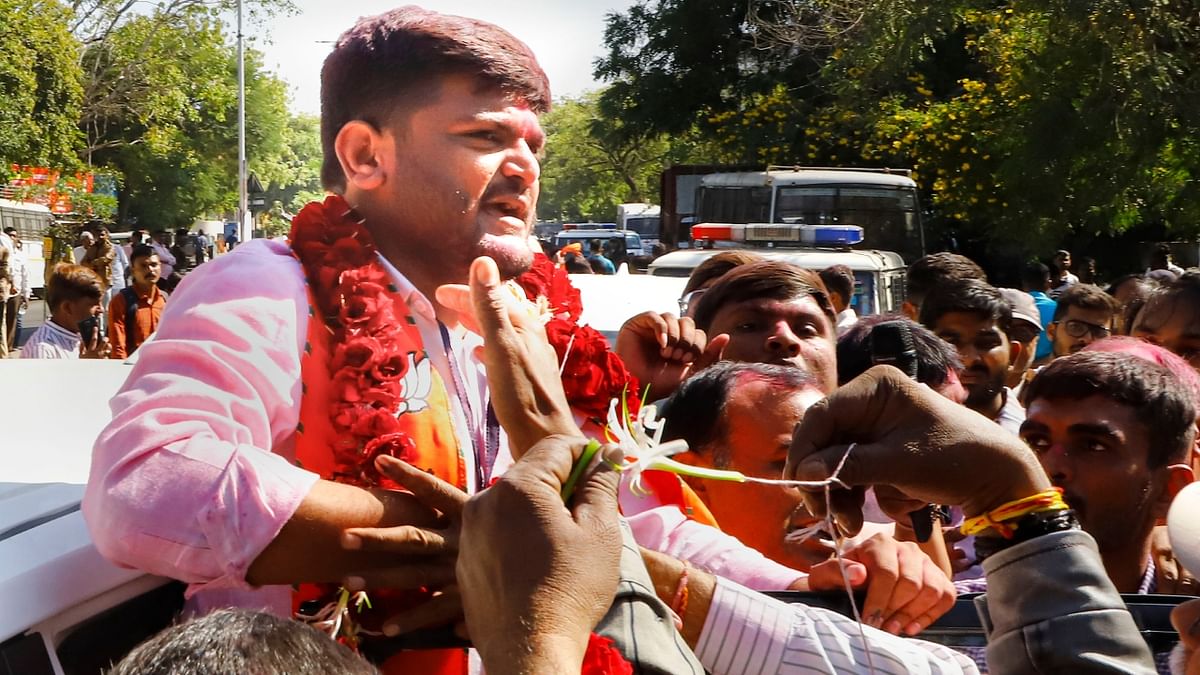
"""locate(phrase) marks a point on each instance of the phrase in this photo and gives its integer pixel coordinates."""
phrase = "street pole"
(243, 231)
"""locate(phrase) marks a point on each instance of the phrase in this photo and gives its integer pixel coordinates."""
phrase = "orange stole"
(436, 450)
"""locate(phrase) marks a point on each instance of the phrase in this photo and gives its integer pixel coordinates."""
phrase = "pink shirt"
(194, 476)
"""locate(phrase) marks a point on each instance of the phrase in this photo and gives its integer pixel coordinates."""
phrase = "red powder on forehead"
(1155, 354)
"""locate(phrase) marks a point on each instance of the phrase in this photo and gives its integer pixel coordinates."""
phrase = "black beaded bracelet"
(1027, 527)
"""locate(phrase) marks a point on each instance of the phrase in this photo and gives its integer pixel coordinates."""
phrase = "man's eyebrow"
(1096, 429)
(1032, 425)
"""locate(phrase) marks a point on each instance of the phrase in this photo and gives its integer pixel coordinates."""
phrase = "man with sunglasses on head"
(1084, 315)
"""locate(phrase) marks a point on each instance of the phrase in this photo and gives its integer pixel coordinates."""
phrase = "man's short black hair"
(696, 411)
(1084, 296)
(141, 251)
(718, 266)
(241, 641)
(1035, 276)
(10, 230)
(935, 357)
(936, 269)
(1158, 396)
(768, 279)
(1165, 299)
(967, 295)
(839, 279)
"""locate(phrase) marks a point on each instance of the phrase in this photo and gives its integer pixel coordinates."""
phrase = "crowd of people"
(108, 301)
(375, 406)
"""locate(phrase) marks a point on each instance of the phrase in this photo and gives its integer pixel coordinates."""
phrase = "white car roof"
(47, 561)
(610, 299)
(683, 261)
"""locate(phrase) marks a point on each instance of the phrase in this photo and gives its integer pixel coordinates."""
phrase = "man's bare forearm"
(308, 548)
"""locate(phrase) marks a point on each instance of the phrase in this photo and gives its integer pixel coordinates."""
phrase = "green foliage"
(39, 84)
(170, 124)
(594, 162)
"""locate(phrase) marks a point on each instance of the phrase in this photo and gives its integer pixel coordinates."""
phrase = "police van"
(622, 245)
(878, 275)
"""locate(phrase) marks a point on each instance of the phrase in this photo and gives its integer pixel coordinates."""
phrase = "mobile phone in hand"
(88, 329)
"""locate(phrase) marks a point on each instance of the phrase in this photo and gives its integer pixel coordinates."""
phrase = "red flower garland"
(592, 375)
(351, 291)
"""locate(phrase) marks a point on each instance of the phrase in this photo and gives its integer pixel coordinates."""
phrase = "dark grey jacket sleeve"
(1052, 609)
(640, 625)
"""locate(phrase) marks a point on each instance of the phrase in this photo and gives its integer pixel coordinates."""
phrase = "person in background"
(1130, 293)
(932, 271)
(22, 291)
(1087, 270)
(976, 319)
(134, 313)
(599, 263)
(575, 263)
(203, 246)
(1062, 277)
(7, 249)
(771, 312)
(1160, 259)
(161, 243)
(119, 272)
(839, 281)
(1171, 318)
(1116, 433)
(1084, 315)
(1026, 329)
(73, 295)
(86, 240)
(1035, 280)
(186, 252)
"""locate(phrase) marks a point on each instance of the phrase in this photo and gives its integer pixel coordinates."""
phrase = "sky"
(566, 35)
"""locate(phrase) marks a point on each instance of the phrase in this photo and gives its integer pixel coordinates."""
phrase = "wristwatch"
(1027, 527)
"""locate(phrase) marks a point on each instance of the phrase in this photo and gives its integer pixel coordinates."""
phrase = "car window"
(101, 640)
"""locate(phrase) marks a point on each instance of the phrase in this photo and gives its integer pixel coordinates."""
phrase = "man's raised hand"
(911, 438)
(662, 350)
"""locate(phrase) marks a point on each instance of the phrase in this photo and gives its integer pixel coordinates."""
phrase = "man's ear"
(1014, 351)
(361, 153)
(910, 310)
(1051, 330)
(1179, 476)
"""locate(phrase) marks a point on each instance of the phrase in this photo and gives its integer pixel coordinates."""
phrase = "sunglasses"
(687, 303)
(1077, 329)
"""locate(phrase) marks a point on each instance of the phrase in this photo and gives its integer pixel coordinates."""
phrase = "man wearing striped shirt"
(73, 294)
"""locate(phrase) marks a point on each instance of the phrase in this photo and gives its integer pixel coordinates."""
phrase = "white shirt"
(18, 265)
(120, 263)
(52, 341)
(845, 320)
(747, 633)
(165, 259)
(1012, 414)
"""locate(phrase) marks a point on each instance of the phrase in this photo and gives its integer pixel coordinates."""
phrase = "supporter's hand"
(522, 367)
(913, 439)
(959, 560)
(98, 348)
(536, 576)
(662, 350)
(425, 556)
(1172, 578)
(906, 590)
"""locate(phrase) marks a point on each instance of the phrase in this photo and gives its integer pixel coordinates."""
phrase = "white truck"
(643, 219)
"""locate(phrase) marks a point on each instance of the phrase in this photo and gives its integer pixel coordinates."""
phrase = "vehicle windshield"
(888, 215)
(646, 226)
